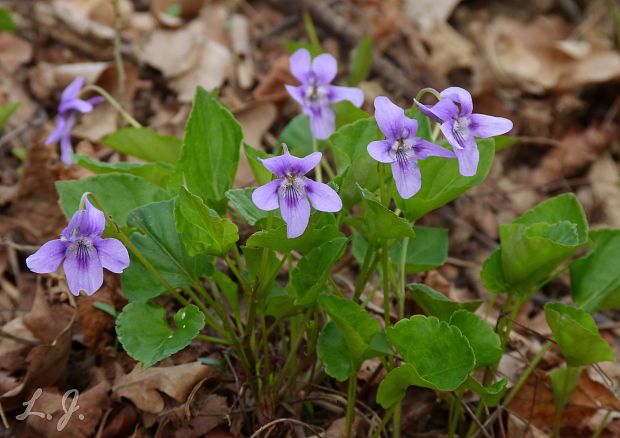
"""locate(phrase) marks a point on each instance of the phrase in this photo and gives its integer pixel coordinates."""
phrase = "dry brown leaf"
(143, 387)
(80, 424)
(188, 9)
(447, 49)
(427, 13)
(46, 362)
(604, 177)
(534, 402)
(14, 51)
(208, 412)
(93, 323)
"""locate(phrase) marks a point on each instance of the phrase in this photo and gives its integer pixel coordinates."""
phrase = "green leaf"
(157, 173)
(350, 144)
(563, 383)
(202, 231)
(436, 355)
(241, 199)
(309, 275)
(492, 274)
(262, 175)
(145, 144)
(333, 352)
(356, 326)
(230, 290)
(297, 136)
(595, 278)
(380, 223)
(482, 339)
(105, 307)
(490, 395)
(119, 193)
(360, 61)
(437, 304)
(162, 246)
(577, 335)
(503, 142)
(347, 113)
(426, 251)
(442, 182)
(276, 239)
(144, 332)
(210, 152)
(7, 109)
(7, 24)
(534, 245)
(292, 46)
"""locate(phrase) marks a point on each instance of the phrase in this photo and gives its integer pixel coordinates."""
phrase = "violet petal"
(322, 196)
(48, 258)
(265, 197)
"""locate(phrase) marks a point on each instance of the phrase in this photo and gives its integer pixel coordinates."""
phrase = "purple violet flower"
(459, 126)
(292, 189)
(315, 94)
(84, 252)
(401, 148)
(68, 109)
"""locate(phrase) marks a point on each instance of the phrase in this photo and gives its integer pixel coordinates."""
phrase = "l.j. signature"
(62, 422)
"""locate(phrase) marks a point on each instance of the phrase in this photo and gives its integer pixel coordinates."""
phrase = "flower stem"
(423, 91)
(402, 286)
(384, 422)
(318, 169)
(117, 106)
(515, 389)
(351, 394)
(455, 410)
(364, 272)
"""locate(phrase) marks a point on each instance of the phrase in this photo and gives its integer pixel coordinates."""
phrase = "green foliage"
(145, 144)
(318, 232)
(503, 142)
(112, 191)
(210, 152)
(262, 175)
(442, 182)
(563, 383)
(490, 395)
(161, 244)
(311, 272)
(349, 143)
(378, 222)
(360, 61)
(202, 231)
(437, 356)
(241, 199)
(7, 24)
(482, 339)
(595, 278)
(577, 335)
(297, 136)
(157, 173)
(426, 251)
(347, 342)
(437, 304)
(7, 109)
(144, 332)
(534, 245)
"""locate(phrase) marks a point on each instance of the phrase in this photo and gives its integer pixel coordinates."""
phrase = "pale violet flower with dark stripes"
(82, 252)
(292, 189)
(401, 148)
(459, 125)
(68, 109)
(316, 94)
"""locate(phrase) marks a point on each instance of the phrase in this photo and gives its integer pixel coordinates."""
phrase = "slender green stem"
(601, 426)
(515, 389)
(386, 285)
(296, 339)
(382, 193)
(364, 272)
(398, 408)
(216, 340)
(402, 286)
(423, 91)
(351, 394)
(318, 169)
(117, 106)
(210, 319)
(455, 409)
(384, 422)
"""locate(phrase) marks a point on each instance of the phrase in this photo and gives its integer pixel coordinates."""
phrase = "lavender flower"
(83, 252)
(459, 126)
(292, 189)
(401, 148)
(70, 106)
(315, 94)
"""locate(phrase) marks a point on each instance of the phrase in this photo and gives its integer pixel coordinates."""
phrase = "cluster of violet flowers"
(400, 148)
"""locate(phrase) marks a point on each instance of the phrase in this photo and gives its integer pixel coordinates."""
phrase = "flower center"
(292, 189)
(83, 247)
(315, 96)
(402, 151)
(461, 130)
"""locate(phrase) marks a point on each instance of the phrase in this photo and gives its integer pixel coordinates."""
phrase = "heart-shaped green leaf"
(145, 144)
(490, 395)
(577, 335)
(426, 251)
(144, 332)
(158, 173)
(437, 304)
(482, 339)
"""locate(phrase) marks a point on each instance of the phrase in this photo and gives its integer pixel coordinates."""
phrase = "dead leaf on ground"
(92, 322)
(14, 51)
(604, 177)
(206, 413)
(143, 387)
